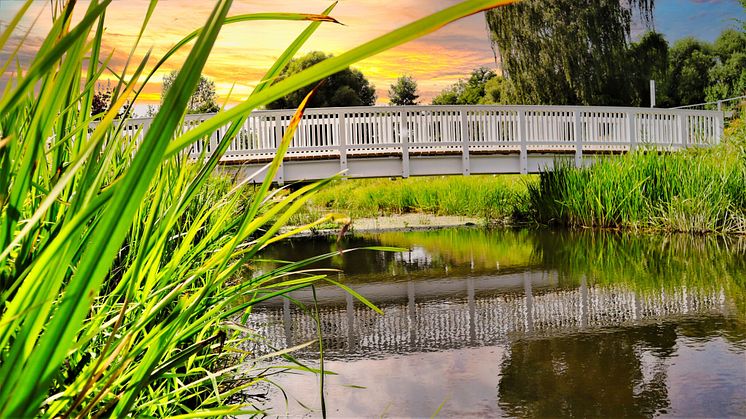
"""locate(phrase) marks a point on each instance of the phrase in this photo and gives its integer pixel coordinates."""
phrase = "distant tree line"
(570, 52)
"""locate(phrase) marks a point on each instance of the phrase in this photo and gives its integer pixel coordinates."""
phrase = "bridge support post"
(466, 164)
(522, 134)
(404, 135)
(578, 140)
(280, 176)
(631, 131)
(342, 141)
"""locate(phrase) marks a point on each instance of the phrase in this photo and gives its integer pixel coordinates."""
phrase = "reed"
(696, 190)
(119, 258)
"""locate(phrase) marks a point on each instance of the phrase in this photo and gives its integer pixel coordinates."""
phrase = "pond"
(518, 323)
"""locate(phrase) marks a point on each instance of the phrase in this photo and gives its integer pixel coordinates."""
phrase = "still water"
(518, 323)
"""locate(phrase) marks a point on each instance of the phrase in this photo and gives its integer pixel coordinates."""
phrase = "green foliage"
(348, 87)
(491, 197)
(728, 77)
(474, 90)
(119, 259)
(403, 92)
(565, 52)
(690, 61)
(204, 98)
(648, 59)
(688, 191)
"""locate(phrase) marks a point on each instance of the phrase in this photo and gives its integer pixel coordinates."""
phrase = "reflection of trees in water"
(647, 263)
(641, 262)
(620, 372)
(599, 374)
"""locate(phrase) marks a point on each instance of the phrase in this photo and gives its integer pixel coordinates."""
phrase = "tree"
(728, 76)
(101, 102)
(567, 51)
(403, 92)
(467, 92)
(348, 87)
(204, 98)
(648, 60)
(689, 64)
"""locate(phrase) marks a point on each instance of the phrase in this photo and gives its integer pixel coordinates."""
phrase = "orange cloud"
(243, 51)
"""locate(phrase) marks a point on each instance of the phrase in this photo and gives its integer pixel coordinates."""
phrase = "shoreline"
(423, 222)
(399, 222)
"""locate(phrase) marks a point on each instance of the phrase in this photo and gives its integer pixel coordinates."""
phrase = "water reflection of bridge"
(472, 311)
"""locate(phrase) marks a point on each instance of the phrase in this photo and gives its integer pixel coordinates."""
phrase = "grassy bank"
(493, 198)
(697, 190)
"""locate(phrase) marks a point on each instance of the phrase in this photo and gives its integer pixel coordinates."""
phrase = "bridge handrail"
(336, 133)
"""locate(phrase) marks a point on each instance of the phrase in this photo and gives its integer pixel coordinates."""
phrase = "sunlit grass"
(492, 198)
(697, 191)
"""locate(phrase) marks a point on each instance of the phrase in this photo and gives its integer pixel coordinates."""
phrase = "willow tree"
(568, 51)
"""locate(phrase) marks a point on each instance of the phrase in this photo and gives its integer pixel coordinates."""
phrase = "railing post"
(719, 125)
(213, 140)
(578, 140)
(631, 131)
(342, 141)
(280, 176)
(684, 137)
(466, 164)
(404, 135)
(522, 134)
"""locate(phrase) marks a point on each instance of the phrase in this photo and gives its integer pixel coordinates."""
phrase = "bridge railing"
(362, 131)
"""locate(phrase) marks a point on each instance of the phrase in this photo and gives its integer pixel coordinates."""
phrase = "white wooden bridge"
(448, 140)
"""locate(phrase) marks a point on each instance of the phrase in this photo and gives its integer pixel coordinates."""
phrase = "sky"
(245, 50)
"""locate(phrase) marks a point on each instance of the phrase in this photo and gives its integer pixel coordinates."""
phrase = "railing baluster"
(404, 134)
(631, 131)
(578, 140)
(466, 164)
(522, 139)
(342, 126)
(278, 139)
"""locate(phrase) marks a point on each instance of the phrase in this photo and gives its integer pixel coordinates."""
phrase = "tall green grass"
(697, 190)
(118, 259)
(493, 198)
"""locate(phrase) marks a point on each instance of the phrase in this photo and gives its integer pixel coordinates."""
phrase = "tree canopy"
(204, 98)
(348, 87)
(648, 60)
(728, 76)
(101, 102)
(566, 51)
(403, 92)
(482, 86)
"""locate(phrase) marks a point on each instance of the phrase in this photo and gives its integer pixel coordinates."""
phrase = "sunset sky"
(245, 50)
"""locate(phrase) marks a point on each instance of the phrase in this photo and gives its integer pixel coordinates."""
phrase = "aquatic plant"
(696, 190)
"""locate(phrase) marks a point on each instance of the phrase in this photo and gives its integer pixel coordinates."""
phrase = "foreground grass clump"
(697, 190)
(494, 198)
(120, 260)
